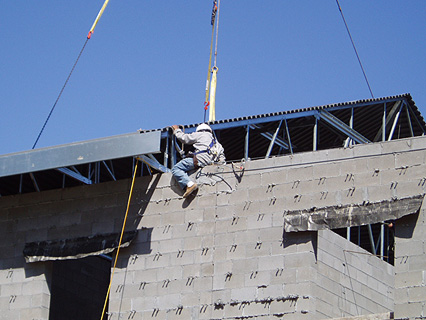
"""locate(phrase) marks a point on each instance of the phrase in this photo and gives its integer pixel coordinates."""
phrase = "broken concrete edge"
(76, 248)
(334, 217)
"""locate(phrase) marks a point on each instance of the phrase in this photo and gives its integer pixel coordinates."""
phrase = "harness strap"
(208, 149)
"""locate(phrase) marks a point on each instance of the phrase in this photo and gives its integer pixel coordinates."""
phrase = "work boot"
(190, 190)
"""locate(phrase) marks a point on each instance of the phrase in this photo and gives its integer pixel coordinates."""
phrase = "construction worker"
(207, 151)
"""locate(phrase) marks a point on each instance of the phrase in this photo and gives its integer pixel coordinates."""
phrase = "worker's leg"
(180, 170)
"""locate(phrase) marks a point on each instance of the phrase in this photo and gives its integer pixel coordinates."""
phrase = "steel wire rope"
(353, 45)
(60, 93)
(121, 237)
(92, 29)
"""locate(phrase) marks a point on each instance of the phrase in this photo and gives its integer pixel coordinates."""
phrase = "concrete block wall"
(223, 253)
(350, 280)
(410, 266)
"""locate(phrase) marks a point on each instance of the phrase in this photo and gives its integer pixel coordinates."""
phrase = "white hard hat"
(204, 127)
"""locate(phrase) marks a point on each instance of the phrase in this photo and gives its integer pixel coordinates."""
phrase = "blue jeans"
(180, 170)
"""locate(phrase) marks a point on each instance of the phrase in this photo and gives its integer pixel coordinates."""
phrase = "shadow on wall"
(404, 227)
(106, 210)
(295, 238)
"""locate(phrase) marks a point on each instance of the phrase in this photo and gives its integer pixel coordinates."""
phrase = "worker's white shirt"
(201, 141)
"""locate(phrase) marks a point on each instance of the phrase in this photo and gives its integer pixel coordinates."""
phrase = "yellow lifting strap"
(92, 29)
(212, 111)
(210, 63)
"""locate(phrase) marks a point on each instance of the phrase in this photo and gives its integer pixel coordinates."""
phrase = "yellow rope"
(121, 238)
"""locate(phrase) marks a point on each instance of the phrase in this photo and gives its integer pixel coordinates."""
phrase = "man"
(207, 151)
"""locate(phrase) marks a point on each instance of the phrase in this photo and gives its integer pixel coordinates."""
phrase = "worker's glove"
(175, 127)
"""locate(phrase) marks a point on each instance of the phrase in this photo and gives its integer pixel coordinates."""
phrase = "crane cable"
(213, 23)
(121, 238)
(353, 45)
(212, 113)
(92, 29)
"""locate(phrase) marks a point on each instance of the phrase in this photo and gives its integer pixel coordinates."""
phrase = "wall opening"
(79, 288)
(362, 237)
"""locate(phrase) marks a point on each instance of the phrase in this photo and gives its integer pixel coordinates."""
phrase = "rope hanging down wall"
(92, 29)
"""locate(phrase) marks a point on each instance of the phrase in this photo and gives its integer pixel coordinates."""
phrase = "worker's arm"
(184, 137)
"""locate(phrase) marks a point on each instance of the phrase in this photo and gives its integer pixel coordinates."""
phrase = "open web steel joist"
(252, 137)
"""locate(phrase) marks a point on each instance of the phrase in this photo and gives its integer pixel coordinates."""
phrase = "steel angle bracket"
(75, 175)
(153, 163)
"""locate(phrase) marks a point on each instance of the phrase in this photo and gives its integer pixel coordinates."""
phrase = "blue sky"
(146, 63)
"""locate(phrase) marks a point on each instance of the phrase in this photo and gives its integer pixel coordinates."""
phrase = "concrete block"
(283, 306)
(206, 201)
(271, 179)
(258, 249)
(31, 313)
(270, 291)
(158, 260)
(236, 252)
(379, 193)
(417, 142)
(223, 267)
(367, 149)
(207, 227)
(299, 260)
(417, 262)
(259, 221)
(258, 193)
(170, 273)
(272, 234)
(408, 310)
(225, 212)
(246, 236)
(40, 300)
(257, 309)
(152, 221)
(381, 163)
(257, 278)
(417, 293)
(407, 189)
(203, 285)
(303, 173)
(366, 179)
(237, 223)
(161, 233)
(20, 302)
(169, 301)
(237, 196)
(143, 303)
(330, 169)
(271, 263)
(243, 294)
(355, 166)
(244, 266)
(232, 282)
(217, 313)
(172, 218)
(411, 158)
(12, 289)
(182, 258)
(248, 180)
(185, 230)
